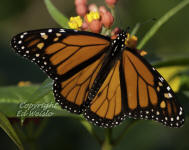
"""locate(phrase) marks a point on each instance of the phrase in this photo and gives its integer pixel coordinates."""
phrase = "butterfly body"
(100, 78)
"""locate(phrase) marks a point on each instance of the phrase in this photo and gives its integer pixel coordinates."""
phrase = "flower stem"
(135, 29)
(90, 129)
(107, 144)
(125, 130)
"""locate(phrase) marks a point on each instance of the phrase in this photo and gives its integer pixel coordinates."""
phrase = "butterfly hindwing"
(146, 93)
(105, 107)
(69, 57)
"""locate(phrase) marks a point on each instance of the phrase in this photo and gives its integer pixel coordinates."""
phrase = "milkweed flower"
(79, 2)
(75, 22)
(107, 19)
(131, 41)
(93, 8)
(95, 26)
(93, 16)
(111, 2)
(81, 9)
(85, 26)
(102, 9)
(24, 83)
(93, 20)
(115, 32)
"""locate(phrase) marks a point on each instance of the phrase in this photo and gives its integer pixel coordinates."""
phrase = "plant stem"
(125, 130)
(90, 129)
(161, 21)
(135, 29)
(107, 144)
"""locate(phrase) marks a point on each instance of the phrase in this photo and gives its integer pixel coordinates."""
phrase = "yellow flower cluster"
(131, 41)
(75, 22)
(93, 16)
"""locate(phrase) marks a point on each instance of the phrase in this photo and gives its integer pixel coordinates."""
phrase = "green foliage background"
(70, 131)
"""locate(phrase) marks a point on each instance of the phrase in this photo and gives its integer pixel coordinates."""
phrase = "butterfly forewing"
(72, 93)
(71, 58)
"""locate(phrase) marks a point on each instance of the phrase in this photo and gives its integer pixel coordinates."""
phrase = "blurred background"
(171, 41)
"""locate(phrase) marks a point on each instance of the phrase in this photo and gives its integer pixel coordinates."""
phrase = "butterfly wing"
(132, 87)
(146, 93)
(71, 58)
(105, 107)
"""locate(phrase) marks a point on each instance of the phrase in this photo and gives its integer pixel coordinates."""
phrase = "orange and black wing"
(71, 58)
(105, 107)
(146, 94)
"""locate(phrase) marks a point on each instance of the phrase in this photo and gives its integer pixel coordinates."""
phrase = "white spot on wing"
(170, 95)
(42, 33)
(161, 79)
(62, 30)
(22, 36)
(168, 88)
(37, 55)
(180, 113)
(50, 30)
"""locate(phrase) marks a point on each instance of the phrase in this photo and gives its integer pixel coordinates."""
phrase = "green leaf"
(173, 62)
(14, 103)
(44, 89)
(161, 21)
(56, 14)
(12, 96)
(7, 127)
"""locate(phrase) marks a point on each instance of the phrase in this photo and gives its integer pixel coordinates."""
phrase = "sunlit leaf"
(169, 72)
(14, 103)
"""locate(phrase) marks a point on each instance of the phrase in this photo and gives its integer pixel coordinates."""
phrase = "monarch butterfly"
(101, 78)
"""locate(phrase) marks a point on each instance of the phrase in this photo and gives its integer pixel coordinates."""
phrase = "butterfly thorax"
(118, 44)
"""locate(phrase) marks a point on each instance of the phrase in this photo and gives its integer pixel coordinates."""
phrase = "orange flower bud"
(142, 52)
(93, 7)
(102, 9)
(78, 2)
(85, 26)
(86, 20)
(107, 19)
(95, 26)
(113, 37)
(115, 31)
(111, 2)
(81, 9)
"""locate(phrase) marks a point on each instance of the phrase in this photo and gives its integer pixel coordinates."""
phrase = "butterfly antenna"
(127, 29)
(148, 21)
(138, 25)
